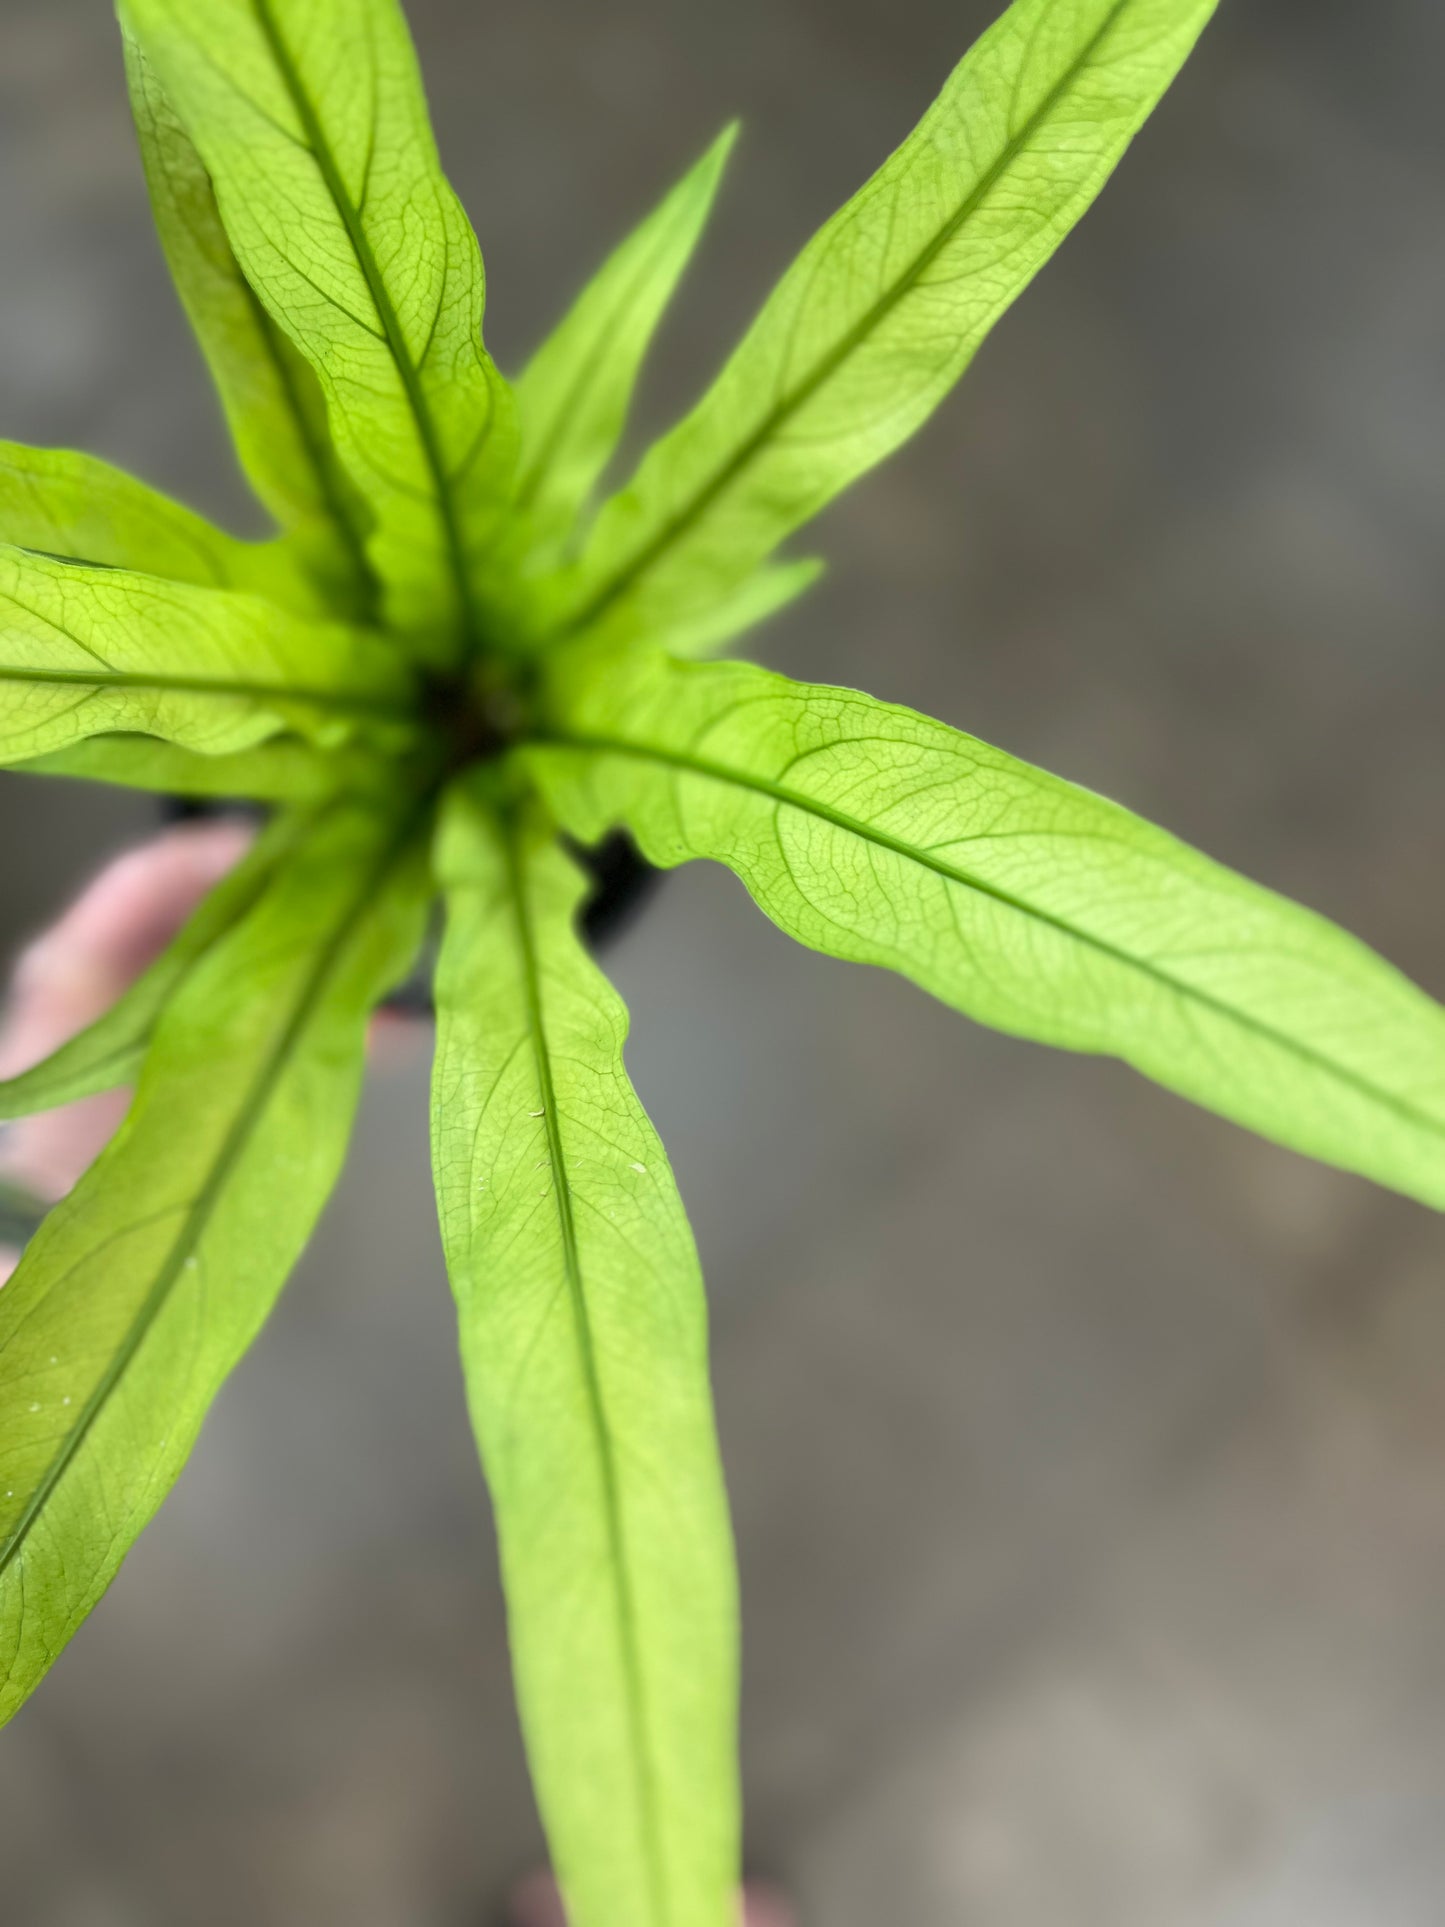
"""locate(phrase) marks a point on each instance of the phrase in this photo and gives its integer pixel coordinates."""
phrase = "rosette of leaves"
(451, 665)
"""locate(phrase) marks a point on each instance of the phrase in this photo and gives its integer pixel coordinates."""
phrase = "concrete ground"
(1088, 1457)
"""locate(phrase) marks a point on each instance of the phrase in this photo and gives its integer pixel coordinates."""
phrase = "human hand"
(76, 970)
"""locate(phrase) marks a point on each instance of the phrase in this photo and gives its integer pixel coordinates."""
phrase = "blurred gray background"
(1088, 1457)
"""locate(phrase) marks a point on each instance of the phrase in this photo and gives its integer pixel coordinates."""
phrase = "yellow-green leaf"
(89, 651)
(272, 401)
(285, 769)
(310, 119)
(142, 1289)
(583, 1336)
(886, 306)
(81, 509)
(875, 834)
(573, 396)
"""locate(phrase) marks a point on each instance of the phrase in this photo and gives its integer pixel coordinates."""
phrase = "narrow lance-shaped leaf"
(86, 651)
(80, 509)
(871, 833)
(755, 600)
(286, 769)
(885, 307)
(573, 398)
(584, 1343)
(310, 118)
(142, 1289)
(109, 1052)
(273, 403)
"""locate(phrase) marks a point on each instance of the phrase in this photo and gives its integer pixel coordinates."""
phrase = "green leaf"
(310, 118)
(80, 509)
(143, 1288)
(573, 398)
(86, 651)
(583, 1338)
(109, 1052)
(756, 599)
(874, 834)
(273, 403)
(286, 769)
(886, 306)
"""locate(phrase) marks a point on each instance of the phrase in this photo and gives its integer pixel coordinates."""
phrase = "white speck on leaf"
(639, 1167)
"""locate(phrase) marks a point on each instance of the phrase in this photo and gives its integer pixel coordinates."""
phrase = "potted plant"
(448, 671)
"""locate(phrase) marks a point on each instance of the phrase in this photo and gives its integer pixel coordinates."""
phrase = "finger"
(118, 925)
(74, 972)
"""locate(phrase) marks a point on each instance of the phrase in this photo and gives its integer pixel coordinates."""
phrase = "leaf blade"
(771, 588)
(583, 1338)
(76, 508)
(272, 402)
(884, 308)
(875, 834)
(285, 769)
(111, 1344)
(574, 394)
(310, 118)
(91, 651)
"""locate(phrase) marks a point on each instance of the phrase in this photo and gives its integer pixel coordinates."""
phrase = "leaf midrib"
(682, 520)
(868, 833)
(386, 313)
(205, 1202)
(596, 1403)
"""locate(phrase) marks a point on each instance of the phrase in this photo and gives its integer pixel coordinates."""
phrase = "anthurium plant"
(459, 661)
